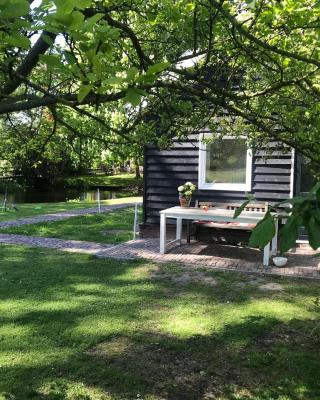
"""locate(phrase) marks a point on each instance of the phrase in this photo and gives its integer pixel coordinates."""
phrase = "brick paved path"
(73, 246)
(64, 215)
(207, 256)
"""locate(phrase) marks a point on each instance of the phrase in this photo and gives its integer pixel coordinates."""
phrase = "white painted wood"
(99, 202)
(292, 173)
(202, 184)
(135, 223)
(214, 214)
(266, 255)
(274, 242)
(163, 231)
(178, 229)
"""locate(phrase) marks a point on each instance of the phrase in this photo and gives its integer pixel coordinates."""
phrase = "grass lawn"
(122, 181)
(74, 327)
(30, 210)
(111, 227)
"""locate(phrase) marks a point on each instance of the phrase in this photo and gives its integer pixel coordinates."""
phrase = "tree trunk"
(137, 170)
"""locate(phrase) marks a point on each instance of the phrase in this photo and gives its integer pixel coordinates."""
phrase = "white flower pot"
(280, 261)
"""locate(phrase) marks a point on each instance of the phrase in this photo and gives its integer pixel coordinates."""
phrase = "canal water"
(59, 195)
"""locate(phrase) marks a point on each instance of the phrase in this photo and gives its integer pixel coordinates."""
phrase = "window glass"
(226, 161)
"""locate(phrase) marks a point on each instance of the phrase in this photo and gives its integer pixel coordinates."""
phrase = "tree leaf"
(239, 210)
(51, 60)
(133, 96)
(82, 4)
(77, 18)
(159, 67)
(89, 24)
(263, 232)
(14, 9)
(84, 90)
(313, 229)
(289, 233)
(19, 41)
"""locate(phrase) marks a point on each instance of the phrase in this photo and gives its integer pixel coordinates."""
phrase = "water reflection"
(58, 195)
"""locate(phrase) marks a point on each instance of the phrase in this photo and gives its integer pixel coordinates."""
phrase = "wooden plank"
(271, 170)
(174, 197)
(188, 176)
(172, 160)
(174, 153)
(272, 186)
(265, 196)
(272, 153)
(163, 190)
(273, 161)
(172, 168)
(167, 182)
(268, 178)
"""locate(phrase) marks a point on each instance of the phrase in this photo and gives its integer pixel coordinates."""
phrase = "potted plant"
(185, 193)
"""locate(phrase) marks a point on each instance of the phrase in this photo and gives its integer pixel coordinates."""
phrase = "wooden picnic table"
(216, 215)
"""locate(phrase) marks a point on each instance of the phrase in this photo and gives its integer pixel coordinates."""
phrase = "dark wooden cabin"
(271, 175)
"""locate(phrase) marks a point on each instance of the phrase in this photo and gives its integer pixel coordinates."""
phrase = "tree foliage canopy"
(256, 62)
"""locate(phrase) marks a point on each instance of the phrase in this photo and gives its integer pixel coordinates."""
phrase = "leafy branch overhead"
(181, 63)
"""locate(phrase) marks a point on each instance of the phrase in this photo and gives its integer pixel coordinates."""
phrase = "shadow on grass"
(74, 327)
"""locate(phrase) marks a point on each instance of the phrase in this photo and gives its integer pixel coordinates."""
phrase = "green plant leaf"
(51, 60)
(289, 233)
(313, 229)
(239, 210)
(19, 41)
(14, 9)
(133, 96)
(263, 232)
(83, 92)
(89, 24)
(82, 4)
(77, 18)
(159, 67)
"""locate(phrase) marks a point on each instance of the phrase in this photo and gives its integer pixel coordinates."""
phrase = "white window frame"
(203, 185)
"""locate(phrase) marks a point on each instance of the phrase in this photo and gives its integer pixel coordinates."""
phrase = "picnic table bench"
(216, 215)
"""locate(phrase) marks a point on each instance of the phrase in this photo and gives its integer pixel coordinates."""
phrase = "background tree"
(255, 68)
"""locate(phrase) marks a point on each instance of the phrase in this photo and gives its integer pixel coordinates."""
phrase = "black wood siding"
(165, 170)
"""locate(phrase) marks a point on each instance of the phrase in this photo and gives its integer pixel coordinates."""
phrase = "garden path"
(206, 256)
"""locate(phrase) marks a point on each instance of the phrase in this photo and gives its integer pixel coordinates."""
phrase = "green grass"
(30, 210)
(122, 181)
(113, 227)
(74, 327)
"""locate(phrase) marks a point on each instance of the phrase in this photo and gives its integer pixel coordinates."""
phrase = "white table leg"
(163, 233)
(179, 229)
(266, 255)
(274, 244)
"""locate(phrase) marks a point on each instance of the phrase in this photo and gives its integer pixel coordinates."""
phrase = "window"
(225, 164)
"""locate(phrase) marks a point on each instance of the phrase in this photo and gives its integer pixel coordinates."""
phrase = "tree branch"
(27, 65)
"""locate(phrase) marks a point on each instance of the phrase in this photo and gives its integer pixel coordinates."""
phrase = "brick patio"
(301, 263)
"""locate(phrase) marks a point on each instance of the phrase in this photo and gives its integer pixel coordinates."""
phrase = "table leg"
(274, 244)
(266, 255)
(188, 231)
(179, 229)
(163, 233)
